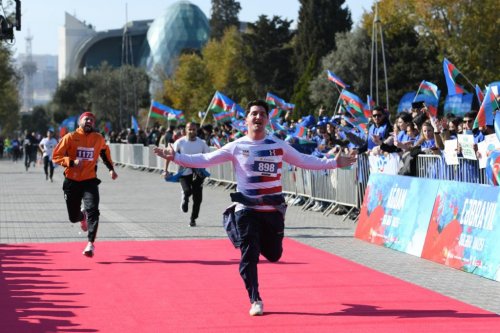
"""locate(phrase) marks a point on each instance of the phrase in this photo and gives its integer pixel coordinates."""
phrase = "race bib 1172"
(85, 153)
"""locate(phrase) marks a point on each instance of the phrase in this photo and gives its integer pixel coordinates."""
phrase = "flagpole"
(338, 101)
(414, 98)
(468, 81)
(149, 114)
(206, 112)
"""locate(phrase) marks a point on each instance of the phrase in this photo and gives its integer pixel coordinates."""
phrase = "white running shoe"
(257, 308)
(83, 223)
(89, 250)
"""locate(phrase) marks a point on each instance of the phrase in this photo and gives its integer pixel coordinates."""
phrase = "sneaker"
(185, 205)
(89, 250)
(192, 223)
(257, 308)
(83, 223)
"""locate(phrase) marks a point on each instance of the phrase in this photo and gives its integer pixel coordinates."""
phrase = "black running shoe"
(185, 205)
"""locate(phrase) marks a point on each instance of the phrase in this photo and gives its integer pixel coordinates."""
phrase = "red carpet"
(194, 285)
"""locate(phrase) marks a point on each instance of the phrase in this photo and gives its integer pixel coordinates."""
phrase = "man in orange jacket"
(78, 153)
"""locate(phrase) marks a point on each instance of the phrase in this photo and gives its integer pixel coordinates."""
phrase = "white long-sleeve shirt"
(257, 164)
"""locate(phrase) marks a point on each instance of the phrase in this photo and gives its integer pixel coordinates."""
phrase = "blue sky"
(42, 18)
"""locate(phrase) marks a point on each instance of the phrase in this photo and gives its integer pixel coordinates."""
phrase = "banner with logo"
(396, 211)
(464, 230)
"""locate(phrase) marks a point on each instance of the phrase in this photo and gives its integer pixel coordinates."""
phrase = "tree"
(463, 31)
(71, 97)
(221, 67)
(103, 92)
(319, 21)
(224, 15)
(9, 98)
(118, 93)
(190, 88)
(269, 56)
(351, 62)
(38, 120)
(226, 66)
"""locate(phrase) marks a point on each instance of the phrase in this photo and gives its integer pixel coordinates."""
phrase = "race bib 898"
(265, 168)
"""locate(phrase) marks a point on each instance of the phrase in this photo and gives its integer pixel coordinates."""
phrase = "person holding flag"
(259, 212)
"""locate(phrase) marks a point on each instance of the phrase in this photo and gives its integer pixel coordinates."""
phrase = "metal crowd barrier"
(435, 167)
(338, 187)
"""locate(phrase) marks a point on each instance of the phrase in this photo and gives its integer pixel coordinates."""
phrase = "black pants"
(88, 191)
(47, 163)
(192, 186)
(29, 157)
(261, 233)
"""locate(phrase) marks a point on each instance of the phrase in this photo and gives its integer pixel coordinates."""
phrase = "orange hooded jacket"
(86, 147)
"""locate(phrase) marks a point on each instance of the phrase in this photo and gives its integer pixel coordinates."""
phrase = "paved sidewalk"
(139, 205)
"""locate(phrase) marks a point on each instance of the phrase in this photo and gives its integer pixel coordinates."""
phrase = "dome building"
(153, 44)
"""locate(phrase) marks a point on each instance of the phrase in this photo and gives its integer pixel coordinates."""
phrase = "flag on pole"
(429, 93)
(222, 103)
(159, 110)
(479, 94)
(355, 105)
(450, 74)
(222, 117)
(335, 79)
(429, 88)
(277, 102)
(485, 115)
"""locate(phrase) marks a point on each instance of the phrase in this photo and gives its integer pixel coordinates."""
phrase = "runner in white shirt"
(47, 146)
(257, 161)
(191, 179)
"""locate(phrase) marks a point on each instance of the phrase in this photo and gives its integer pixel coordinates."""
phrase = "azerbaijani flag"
(67, 125)
(355, 105)
(300, 131)
(274, 113)
(429, 93)
(450, 74)
(240, 125)
(493, 167)
(276, 126)
(335, 79)
(238, 111)
(429, 88)
(485, 115)
(223, 116)
(277, 102)
(479, 94)
(159, 110)
(222, 104)
(370, 104)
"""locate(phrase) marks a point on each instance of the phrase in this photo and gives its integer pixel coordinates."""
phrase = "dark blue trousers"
(261, 233)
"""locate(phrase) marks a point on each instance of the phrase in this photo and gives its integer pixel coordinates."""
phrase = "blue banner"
(396, 211)
(465, 228)
(458, 104)
(405, 102)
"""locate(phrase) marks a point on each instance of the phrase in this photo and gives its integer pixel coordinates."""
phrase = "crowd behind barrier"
(335, 188)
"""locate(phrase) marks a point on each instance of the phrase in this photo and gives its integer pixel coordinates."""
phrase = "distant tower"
(29, 69)
(376, 34)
